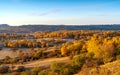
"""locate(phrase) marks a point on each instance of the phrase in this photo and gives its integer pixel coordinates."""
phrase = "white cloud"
(46, 13)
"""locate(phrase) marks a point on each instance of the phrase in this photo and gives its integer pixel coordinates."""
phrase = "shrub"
(13, 60)
(118, 50)
(45, 72)
(25, 73)
(20, 68)
(4, 69)
(61, 69)
(7, 58)
(90, 55)
(90, 63)
(118, 57)
(38, 54)
(79, 60)
(35, 71)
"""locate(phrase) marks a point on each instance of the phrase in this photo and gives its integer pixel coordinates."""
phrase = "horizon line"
(60, 24)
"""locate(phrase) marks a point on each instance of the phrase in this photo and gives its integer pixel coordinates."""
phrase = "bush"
(79, 60)
(90, 63)
(4, 69)
(20, 68)
(118, 50)
(118, 57)
(35, 71)
(38, 54)
(7, 58)
(61, 69)
(26, 73)
(45, 72)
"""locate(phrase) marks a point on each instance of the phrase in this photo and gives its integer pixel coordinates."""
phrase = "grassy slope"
(112, 68)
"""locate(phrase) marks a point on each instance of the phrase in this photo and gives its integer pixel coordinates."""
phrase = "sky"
(62, 12)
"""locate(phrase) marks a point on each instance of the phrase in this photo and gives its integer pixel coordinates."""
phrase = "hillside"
(112, 68)
(33, 28)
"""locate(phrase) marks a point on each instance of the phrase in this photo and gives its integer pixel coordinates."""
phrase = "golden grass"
(112, 68)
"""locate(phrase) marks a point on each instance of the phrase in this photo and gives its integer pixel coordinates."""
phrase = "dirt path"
(43, 62)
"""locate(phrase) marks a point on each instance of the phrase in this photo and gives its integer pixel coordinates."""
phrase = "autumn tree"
(94, 46)
(65, 49)
(108, 51)
(104, 49)
(72, 48)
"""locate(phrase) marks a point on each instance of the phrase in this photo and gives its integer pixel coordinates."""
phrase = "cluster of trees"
(13, 36)
(69, 48)
(31, 44)
(75, 34)
(105, 48)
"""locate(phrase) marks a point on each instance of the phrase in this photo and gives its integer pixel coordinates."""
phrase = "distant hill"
(71, 27)
(33, 28)
(4, 25)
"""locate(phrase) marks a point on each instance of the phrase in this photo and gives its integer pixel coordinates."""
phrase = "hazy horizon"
(59, 12)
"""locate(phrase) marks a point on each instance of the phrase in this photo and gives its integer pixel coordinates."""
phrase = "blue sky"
(18, 12)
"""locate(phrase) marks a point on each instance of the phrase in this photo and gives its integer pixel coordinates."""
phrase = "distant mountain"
(34, 28)
(4, 25)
